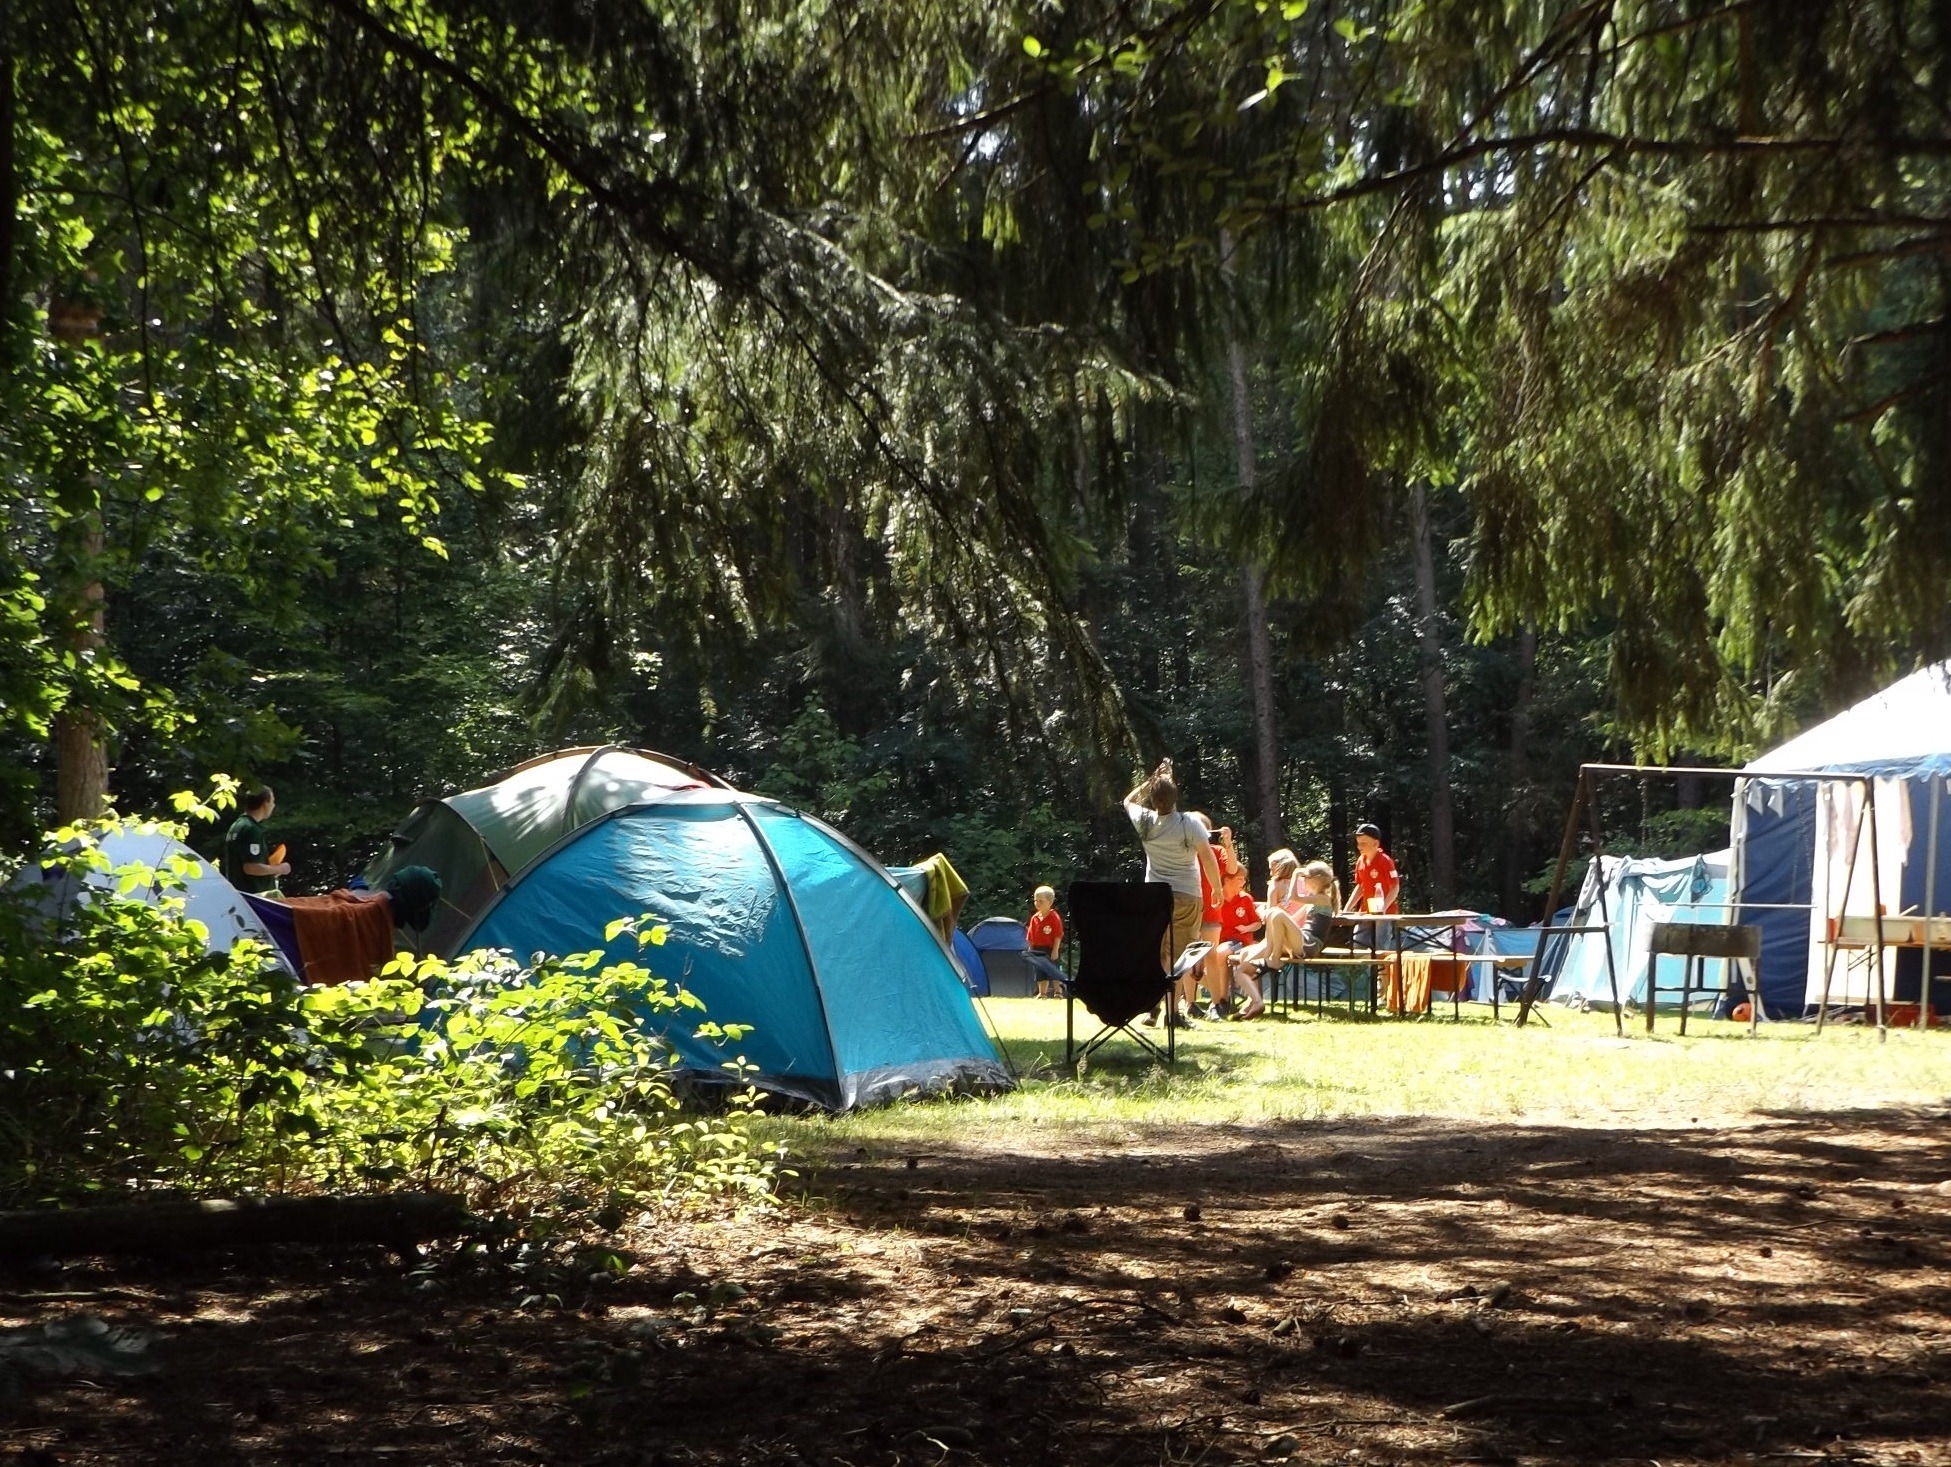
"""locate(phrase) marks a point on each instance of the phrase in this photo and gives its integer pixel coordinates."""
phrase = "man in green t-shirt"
(247, 848)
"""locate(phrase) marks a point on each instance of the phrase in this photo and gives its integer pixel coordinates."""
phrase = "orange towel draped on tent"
(342, 937)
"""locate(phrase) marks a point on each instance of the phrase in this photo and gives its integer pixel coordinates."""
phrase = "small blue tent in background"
(973, 974)
(776, 920)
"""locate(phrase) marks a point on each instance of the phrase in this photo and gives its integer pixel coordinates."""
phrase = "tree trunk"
(1517, 815)
(9, 185)
(1442, 825)
(1263, 789)
(80, 741)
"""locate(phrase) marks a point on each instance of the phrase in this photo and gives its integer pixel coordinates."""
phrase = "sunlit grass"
(1303, 1067)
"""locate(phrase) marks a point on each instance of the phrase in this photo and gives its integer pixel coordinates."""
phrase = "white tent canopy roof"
(1908, 720)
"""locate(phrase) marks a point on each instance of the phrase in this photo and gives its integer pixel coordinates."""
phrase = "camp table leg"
(1402, 987)
(1652, 985)
(1686, 989)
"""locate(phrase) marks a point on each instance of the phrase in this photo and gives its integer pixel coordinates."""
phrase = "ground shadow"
(1394, 1289)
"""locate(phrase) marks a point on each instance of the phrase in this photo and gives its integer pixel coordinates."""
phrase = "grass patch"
(1303, 1067)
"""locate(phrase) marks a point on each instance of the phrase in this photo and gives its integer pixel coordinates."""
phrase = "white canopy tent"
(1847, 848)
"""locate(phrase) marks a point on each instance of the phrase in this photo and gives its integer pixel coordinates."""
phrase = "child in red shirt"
(1045, 931)
(1376, 884)
(1239, 919)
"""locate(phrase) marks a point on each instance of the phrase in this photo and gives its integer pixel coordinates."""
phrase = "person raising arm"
(1177, 852)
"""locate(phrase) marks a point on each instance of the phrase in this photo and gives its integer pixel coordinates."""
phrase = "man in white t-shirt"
(1178, 847)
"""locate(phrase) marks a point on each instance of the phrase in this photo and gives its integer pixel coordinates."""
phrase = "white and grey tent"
(1805, 860)
(175, 870)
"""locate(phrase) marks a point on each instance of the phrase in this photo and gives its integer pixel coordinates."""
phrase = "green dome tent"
(480, 839)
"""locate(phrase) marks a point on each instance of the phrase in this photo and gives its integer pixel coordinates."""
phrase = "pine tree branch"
(1621, 145)
(1803, 223)
(1904, 250)
(631, 199)
(1897, 334)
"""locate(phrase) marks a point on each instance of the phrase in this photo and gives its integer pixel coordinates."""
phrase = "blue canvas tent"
(1010, 970)
(1629, 894)
(777, 921)
(1792, 838)
(1492, 937)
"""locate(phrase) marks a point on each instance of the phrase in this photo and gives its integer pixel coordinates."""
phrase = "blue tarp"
(1637, 892)
(1499, 941)
(775, 921)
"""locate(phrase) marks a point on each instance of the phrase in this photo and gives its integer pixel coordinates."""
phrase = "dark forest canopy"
(926, 410)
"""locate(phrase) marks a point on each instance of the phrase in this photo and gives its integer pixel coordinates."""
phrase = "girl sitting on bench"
(1300, 907)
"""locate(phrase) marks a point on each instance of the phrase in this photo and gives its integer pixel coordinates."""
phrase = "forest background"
(933, 413)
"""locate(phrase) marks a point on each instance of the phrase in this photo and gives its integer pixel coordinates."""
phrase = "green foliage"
(129, 1053)
(821, 770)
(521, 1078)
(1664, 834)
(131, 1057)
(868, 404)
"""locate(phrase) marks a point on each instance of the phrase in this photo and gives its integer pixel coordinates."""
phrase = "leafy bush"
(132, 1058)
(502, 1078)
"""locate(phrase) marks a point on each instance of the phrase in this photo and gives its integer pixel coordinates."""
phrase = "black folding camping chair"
(1119, 930)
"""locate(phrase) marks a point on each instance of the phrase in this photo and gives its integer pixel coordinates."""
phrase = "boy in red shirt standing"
(1045, 931)
(1376, 885)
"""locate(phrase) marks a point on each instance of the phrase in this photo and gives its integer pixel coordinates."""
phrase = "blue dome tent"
(776, 920)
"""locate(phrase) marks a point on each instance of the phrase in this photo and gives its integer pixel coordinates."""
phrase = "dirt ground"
(1373, 1292)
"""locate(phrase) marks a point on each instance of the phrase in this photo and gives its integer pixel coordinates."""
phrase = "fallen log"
(396, 1220)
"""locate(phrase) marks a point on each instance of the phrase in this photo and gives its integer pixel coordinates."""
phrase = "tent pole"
(1535, 983)
(805, 945)
(995, 1034)
(1938, 781)
(1738, 883)
(1605, 918)
(1849, 880)
(1876, 907)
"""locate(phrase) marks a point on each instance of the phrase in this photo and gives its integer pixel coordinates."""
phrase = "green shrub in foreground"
(130, 1058)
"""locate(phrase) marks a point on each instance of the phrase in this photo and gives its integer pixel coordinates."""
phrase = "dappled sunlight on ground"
(1379, 1290)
